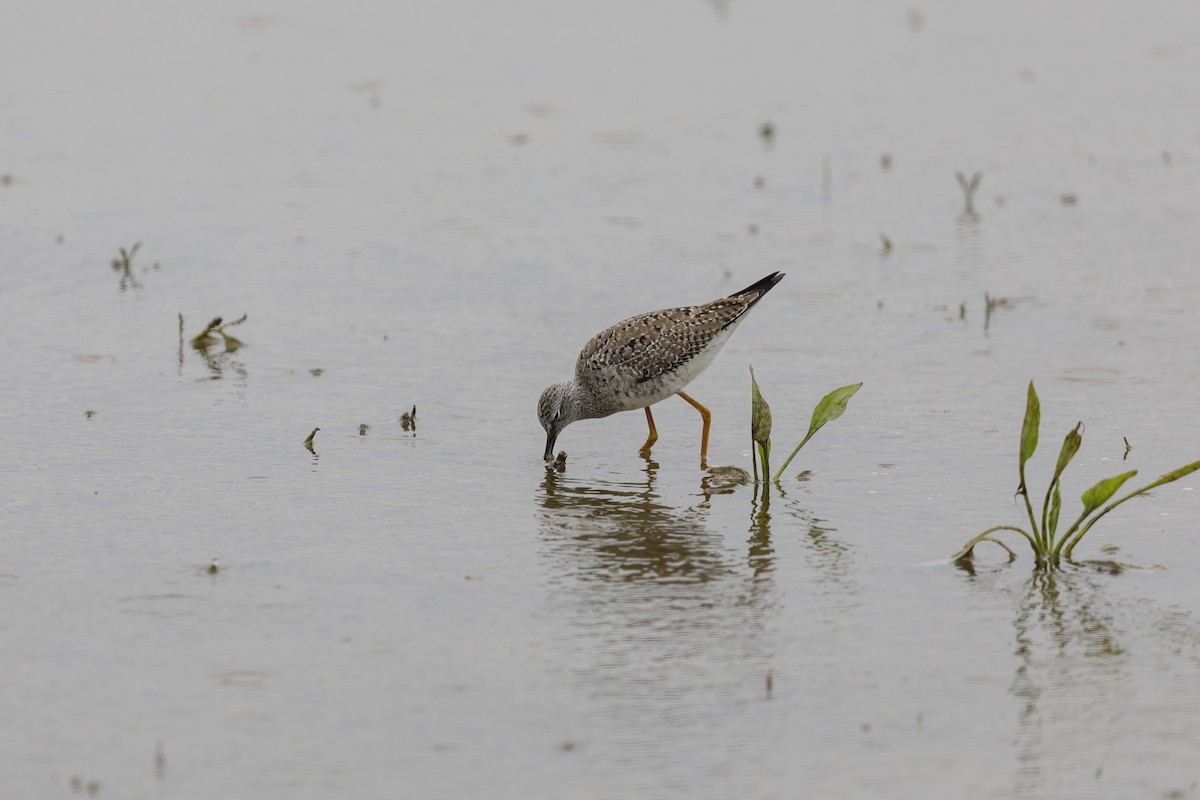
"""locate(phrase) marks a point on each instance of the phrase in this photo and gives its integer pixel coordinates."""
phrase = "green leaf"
(1055, 507)
(760, 414)
(1029, 439)
(1174, 475)
(832, 406)
(1029, 430)
(1098, 495)
(1070, 447)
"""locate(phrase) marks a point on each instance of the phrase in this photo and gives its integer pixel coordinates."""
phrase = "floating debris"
(1128, 447)
(887, 243)
(362, 429)
(728, 475)
(408, 420)
(213, 568)
(208, 337)
(317, 372)
(309, 441)
(89, 414)
(962, 310)
(990, 304)
(767, 131)
(1068, 199)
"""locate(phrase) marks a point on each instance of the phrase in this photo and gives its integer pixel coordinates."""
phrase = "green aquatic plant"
(214, 331)
(124, 265)
(832, 406)
(760, 429)
(1048, 546)
(969, 187)
(125, 262)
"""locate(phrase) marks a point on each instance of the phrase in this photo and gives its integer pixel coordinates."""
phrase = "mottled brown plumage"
(645, 359)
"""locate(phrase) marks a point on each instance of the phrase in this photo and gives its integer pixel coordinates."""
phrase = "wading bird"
(644, 360)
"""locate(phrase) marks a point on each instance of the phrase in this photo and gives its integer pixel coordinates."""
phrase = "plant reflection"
(1068, 660)
(761, 555)
(831, 557)
(1095, 673)
(219, 359)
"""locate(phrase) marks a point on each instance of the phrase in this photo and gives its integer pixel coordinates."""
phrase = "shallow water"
(437, 206)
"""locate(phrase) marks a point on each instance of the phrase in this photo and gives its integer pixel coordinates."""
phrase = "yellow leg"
(705, 415)
(652, 438)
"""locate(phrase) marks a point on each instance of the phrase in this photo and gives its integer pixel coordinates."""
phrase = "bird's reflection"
(664, 629)
(623, 531)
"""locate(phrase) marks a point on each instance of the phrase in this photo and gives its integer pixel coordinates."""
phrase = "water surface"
(438, 205)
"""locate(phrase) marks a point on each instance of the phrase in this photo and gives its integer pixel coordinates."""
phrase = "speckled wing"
(656, 344)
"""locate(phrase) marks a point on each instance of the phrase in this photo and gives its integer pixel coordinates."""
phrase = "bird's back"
(647, 358)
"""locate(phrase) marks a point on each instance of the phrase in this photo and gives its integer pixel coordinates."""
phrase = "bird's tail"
(760, 287)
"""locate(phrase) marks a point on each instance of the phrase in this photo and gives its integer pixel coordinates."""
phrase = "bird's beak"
(550, 438)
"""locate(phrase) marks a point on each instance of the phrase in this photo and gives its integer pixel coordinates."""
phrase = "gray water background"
(437, 204)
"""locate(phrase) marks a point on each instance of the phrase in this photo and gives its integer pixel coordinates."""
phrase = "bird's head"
(556, 410)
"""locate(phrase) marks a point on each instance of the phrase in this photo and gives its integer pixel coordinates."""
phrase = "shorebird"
(644, 360)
